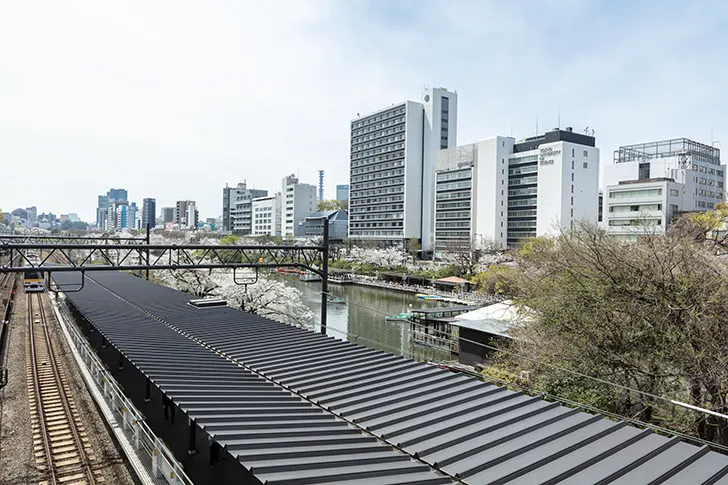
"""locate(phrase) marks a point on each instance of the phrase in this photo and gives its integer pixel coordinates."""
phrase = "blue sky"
(174, 99)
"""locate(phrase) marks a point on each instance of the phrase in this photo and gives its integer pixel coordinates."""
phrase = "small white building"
(299, 201)
(266, 218)
(507, 191)
(649, 184)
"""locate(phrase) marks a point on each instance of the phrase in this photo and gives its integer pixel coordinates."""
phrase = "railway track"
(61, 447)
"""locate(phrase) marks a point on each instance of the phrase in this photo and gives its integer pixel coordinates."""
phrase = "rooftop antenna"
(558, 124)
(511, 130)
(536, 125)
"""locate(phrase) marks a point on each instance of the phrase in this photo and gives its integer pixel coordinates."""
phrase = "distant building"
(266, 219)
(186, 215)
(299, 201)
(63, 218)
(149, 213)
(168, 214)
(321, 185)
(393, 155)
(313, 226)
(102, 212)
(505, 191)
(32, 214)
(237, 215)
(117, 194)
(649, 184)
(342, 193)
(122, 217)
(73, 217)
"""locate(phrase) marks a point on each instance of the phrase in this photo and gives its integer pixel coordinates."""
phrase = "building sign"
(546, 156)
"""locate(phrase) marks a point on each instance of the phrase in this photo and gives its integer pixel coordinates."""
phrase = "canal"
(361, 318)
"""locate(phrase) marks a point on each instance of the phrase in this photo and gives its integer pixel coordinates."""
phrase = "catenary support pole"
(192, 444)
(325, 276)
(147, 261)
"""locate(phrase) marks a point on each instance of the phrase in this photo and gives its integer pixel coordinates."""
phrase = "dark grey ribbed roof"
(478, 432)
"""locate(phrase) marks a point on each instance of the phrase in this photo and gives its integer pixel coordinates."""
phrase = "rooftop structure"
(683, 147)
(292, 406)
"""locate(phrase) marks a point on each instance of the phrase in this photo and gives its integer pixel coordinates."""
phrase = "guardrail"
(163, 464)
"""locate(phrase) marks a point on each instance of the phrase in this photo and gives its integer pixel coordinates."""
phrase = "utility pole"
(325, 276)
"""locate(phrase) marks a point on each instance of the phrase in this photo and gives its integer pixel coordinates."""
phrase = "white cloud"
(174, 99)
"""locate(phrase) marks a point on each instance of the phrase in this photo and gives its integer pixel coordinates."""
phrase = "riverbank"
(468, 298)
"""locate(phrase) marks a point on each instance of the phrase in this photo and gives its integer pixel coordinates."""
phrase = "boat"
(399, 317)
(423, 296)
(309, 276)
(336, 299)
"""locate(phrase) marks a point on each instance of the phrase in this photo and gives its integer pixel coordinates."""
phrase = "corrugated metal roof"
(280, 437)
(479, 432)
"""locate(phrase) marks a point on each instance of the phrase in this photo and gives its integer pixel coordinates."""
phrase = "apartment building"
(237, 205)
(298, 202)
(266, 219)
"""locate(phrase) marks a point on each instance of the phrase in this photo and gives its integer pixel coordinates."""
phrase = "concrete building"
(102, 211)
(186, 215)
(122, 217)
(117, 194)
(266, 218)
(312, 226)
(393, 157)
(342, 193)
(505, 191)
(149, 213)
(650, 183)
(299, 201)
(237, 202)
(168, 214)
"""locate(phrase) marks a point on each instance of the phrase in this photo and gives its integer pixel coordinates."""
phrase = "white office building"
(299, 201)
(266, 219)
(393, 158)
(505, 191)
(649, 184)
(237, 208)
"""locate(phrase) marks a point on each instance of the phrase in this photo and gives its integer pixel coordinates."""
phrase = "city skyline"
(190, 120)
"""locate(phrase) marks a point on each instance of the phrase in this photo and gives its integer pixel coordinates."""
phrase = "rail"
(162, 463)
(60, 430)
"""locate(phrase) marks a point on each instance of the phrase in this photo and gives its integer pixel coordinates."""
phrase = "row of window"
(450, 225)
(453, 215)
(710, 171)
(386, 115)
(377, 176)
(523, 181)
(523, 170)
(512, 224)
(455, 175)
(524, 202)
(522, 160)
(389, 156)
(390, 190)
(375, 151)
(376, 200)
(377, 143)
(624, 194)
(452, 205)
(383, 132)
(454, 195)
(369, 217)
(377, 167)
(525, 191)
(379, 183)
(524, 213)
(376, 224)
(360, 233)
(635, 208)
(466, 184)
(635, 222)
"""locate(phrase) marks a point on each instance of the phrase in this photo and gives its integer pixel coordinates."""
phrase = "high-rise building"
(342, 193)
(393, 157)
(505, 191)
(192, 219)
(168, 214)
(122, 217)
(102, 212)
(266, 219)
(32, 214)
(117, 194)
(237, 215)
(180, 213)
(149, 213)
(649, 184)
(321, 185)
(299, 201)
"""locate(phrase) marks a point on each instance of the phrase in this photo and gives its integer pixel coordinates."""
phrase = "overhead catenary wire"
(559, 368)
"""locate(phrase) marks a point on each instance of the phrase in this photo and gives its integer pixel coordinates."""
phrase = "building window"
(572, 212)
(586, 165)
(572, 189)
(586, 153)
(572, 201)
(572, 176)
(572, 164)
(572, 152)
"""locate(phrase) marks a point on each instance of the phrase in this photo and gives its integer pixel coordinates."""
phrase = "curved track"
(61, 447)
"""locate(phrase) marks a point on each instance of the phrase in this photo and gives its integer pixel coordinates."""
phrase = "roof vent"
(208, 303)
(569, 129)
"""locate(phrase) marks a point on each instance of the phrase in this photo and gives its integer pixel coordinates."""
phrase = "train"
(33, 279)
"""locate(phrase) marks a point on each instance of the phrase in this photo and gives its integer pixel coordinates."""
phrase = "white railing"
(162, 462)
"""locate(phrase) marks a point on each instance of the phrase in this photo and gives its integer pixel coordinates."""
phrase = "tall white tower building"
(392, 168)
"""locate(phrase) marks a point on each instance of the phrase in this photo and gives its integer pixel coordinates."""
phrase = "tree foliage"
(331, 205)
(650, 315)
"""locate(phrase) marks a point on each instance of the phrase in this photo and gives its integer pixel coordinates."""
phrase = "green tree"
(649, 315)
(331, 205)
(413, 247)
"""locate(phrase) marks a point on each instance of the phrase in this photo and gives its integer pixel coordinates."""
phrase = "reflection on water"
(361, 319)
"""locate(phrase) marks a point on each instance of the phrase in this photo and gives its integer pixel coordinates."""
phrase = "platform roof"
(475, 431)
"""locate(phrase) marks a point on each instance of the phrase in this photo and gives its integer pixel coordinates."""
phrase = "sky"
(174, 99)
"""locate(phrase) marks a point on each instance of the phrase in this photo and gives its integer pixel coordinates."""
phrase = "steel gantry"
(136, 254)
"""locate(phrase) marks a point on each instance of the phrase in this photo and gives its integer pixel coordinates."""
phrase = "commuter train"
(33, 279)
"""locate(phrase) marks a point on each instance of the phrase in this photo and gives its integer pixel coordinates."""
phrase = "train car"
(34, 281)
